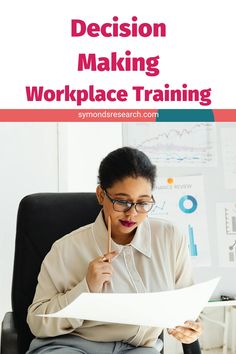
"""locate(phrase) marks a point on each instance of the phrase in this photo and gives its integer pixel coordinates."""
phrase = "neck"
(123, 239)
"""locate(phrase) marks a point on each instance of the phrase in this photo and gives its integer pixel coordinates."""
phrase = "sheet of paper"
(176, 144)
(228, 145)
(165, 309)
(182, 200)
(226, 229)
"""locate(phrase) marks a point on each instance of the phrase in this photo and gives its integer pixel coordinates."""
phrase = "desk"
(229, 313)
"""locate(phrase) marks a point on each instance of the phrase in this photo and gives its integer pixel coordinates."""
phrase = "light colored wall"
(82, 147)
(28, 164)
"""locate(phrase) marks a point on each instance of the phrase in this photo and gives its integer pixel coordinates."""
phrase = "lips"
(127, 223)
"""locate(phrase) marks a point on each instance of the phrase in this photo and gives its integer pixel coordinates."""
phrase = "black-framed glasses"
(125, 205)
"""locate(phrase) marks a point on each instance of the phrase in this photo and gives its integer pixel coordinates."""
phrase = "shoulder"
(78, 243)
(78, 236)
(163, 225)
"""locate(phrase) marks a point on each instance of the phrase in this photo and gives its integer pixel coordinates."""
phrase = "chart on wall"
(182, 200)
(226, 221)
(228, 146)
(175, 144)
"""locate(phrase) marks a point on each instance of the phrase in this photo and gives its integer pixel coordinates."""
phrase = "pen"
(109, 235)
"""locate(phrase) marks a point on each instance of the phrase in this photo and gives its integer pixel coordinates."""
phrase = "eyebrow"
(127, 195)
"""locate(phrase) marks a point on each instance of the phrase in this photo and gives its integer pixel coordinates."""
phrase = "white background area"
(37, 49)
(51, 157)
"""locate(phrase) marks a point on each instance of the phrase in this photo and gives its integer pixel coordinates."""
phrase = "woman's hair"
(125, 162)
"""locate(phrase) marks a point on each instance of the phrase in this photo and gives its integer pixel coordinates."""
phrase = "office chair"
(42, 219)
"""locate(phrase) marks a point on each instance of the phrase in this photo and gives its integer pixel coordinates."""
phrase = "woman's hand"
(99, 272)
(188, 333)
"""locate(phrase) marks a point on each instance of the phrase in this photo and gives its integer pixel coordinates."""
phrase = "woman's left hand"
(188, 333)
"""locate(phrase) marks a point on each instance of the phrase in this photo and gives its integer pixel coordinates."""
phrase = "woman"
(146, 256)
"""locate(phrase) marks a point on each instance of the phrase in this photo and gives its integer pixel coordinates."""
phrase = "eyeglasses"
(125, 205)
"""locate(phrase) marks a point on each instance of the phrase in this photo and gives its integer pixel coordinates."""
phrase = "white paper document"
(228, 145)
(182, 200)
(165, 309)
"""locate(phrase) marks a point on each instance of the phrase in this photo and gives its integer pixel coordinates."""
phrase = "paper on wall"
(228, 146)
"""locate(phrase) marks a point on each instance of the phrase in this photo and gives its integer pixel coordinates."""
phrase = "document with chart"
(226, 221)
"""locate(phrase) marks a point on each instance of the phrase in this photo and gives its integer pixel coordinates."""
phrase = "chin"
(128, 230)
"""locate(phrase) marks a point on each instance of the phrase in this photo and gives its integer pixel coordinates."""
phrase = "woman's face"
(124, 224)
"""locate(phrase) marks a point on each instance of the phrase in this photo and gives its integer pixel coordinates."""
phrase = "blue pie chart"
(191, 207)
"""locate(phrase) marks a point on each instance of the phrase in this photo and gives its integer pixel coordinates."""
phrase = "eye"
(144, 203)
(123, 202)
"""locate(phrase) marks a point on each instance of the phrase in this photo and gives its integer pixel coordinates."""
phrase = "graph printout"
(226, 222)
(228, 144)
(182, 200)
(174, 144)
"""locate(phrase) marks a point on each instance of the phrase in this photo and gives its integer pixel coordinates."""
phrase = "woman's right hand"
(100, 272)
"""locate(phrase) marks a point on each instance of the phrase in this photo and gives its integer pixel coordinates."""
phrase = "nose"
(132, 211)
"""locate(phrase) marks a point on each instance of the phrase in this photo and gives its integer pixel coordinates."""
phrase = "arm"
(191, 330)
(57, 287)
(59, 283)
